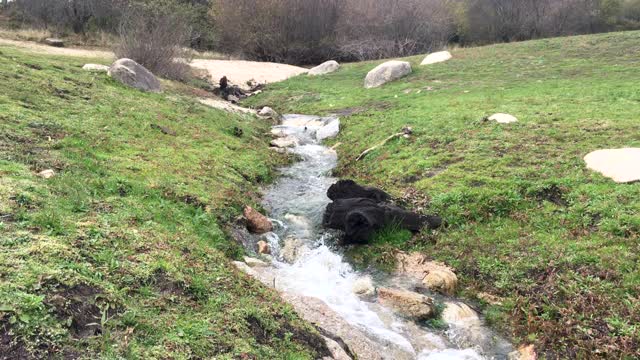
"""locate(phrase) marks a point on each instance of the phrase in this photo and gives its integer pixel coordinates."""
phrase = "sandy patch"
(240, 72)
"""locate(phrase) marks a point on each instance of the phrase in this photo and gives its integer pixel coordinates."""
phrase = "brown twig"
(406, 131)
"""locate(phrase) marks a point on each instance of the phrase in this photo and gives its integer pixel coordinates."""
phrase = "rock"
(436, 57)
(245, 268)
(360, 218)
(135, 75)
(337, 352)
(332, 325)
(256, 222)
(263, 247)
(54, 42)
(277, 132)
(330, 130)
(385, 72)
(363, 286)
(620, 165)
(349, 189)
(442, 280)
(233, 99)
(409, 304)
(460, 313)
(253, 262)
(503, 118)
(292, 250)
(285, 142)
(434, 276)
(325, 68)
(524, 352)
(490, 299)
(95, 68)
(47, 174)
(269, 113)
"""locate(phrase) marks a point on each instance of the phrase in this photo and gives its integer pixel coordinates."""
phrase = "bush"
(157, 38)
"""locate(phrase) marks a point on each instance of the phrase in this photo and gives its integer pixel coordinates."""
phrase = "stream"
(305, 261)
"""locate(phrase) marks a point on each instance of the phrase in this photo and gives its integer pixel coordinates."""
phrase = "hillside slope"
(556, 246)
(122, 253)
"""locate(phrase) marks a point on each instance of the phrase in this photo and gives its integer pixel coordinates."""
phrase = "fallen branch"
(406, 132)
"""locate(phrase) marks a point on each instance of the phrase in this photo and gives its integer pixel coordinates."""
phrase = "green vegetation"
(527, 221)
(122, 253)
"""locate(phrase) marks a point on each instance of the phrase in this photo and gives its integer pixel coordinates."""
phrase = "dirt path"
(45, 49)
(238, 72)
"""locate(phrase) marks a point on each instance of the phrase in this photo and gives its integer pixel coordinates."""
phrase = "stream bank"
(349, 308)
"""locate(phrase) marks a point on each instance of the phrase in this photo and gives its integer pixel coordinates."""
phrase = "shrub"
(157, 38)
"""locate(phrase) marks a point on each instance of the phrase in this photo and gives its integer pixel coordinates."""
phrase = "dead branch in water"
(406, 132)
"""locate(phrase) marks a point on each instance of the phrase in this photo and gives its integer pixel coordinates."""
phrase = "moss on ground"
(122, 254)
(527, 221)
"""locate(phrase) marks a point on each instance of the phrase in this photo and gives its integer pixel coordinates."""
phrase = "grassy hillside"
(527, 222)
(122, 253)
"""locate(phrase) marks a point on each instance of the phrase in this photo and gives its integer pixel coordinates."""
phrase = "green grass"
(123, 253)
(526, 220)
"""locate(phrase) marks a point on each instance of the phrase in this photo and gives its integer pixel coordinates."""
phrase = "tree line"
(310, 31)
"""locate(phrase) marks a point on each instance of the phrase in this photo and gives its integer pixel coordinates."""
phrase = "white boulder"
(47, 174)
(363, 286)
(285, 142)
(135, 75)
(620, 165)
(503, 118)
(95, 68)
(330, 130)
(325, 68)
(385, 72)
(436, 57)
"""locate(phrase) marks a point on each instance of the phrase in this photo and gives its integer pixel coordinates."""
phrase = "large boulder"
(406, 303)
(256, 222)
(620, 165)
(360, 211)
(385, 72)
(135, 75)
(95, 68)
(436, 57)
(325, 68)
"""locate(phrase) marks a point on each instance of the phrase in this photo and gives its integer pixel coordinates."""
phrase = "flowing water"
(296, 203)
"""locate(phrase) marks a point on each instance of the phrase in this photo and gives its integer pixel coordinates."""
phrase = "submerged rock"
(134, 75)
(256, 222)
(332, 325)
(433, 275)
(620, 165)
(385, 72)
(330, 130)
(409, 304)
(325, 68)
(363, 286)
(263, 248)
(293, 249)
(436, 57)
